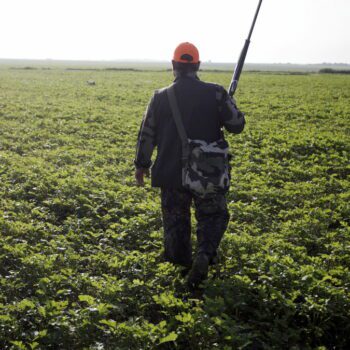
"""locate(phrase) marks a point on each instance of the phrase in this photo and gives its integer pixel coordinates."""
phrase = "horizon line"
(147, 60)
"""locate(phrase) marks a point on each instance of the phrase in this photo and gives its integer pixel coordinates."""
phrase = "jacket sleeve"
(231, 118)
(146, 140)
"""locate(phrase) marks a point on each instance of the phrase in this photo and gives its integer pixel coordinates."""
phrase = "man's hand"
(139, 175)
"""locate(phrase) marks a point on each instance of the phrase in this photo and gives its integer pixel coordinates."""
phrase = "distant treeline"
(211, 70)
(333, 71)
(30, 68)
(112, 69)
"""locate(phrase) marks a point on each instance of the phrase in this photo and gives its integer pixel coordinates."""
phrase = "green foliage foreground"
(80, 245)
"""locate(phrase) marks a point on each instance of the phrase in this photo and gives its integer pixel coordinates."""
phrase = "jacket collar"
(192, 75)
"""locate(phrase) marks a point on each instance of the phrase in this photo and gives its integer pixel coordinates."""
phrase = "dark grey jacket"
(205, 108)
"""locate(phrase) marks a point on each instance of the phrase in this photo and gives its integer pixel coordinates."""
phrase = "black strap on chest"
(178, 121)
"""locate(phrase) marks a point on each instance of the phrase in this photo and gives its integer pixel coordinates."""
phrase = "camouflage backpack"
(205, 166)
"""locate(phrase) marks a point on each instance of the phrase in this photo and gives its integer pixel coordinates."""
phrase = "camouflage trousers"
(212, 219)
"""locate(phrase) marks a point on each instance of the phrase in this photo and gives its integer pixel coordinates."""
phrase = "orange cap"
(186, 53)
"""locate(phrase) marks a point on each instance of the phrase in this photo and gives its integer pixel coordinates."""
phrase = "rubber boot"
(199, 271)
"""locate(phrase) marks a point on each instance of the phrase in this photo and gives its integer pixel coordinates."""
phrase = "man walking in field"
(184, 122)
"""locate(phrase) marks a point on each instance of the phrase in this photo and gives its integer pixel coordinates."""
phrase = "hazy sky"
(297, 31)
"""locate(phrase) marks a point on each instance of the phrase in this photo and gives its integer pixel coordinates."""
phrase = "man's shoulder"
(158, 98)
(211, 84)
(215, 86)
(159, 93)
(219, 89)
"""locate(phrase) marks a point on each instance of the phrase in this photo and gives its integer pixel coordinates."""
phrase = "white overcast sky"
(296, 31)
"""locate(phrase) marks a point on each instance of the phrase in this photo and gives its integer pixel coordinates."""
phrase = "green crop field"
(81, 246)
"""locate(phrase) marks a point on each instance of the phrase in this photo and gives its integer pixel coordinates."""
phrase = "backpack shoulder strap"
(178, 121)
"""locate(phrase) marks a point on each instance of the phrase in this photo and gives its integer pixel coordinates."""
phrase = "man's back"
(199, 110)
(205, 108)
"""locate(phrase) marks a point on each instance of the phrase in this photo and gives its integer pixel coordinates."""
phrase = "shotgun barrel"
(239, 66)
